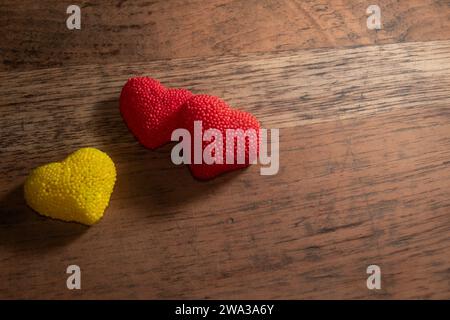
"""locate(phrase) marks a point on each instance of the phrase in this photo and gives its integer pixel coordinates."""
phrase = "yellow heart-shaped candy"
(76, 189)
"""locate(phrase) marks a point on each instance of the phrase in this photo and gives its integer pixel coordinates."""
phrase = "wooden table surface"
(364, 178)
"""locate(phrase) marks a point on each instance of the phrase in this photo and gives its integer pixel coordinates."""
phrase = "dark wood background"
(365, 149)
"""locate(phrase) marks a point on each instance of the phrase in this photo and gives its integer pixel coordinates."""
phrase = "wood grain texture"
(34, 33)
(364, 179)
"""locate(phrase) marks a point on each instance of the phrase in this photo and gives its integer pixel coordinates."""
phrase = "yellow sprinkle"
(76, 189)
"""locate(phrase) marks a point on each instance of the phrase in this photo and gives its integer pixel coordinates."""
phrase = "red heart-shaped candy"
(150, 110)
(216, 114)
